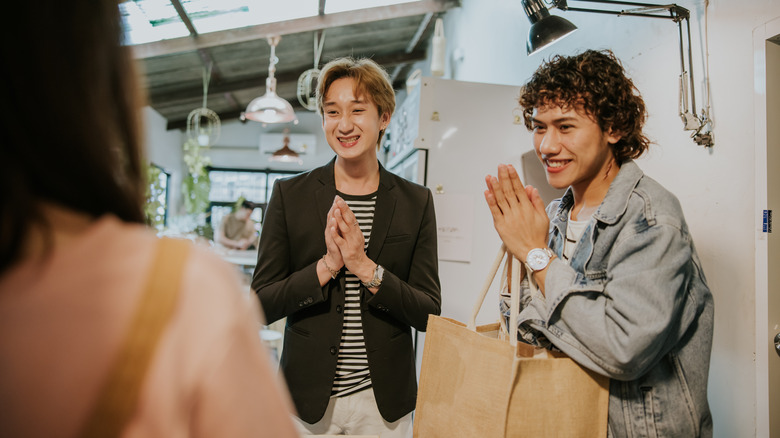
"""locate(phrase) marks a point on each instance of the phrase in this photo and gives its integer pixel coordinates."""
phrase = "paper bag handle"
(472, 325)
(514, 289)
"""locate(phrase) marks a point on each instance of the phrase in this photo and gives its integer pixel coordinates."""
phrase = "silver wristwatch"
(379, 273)
(538, 258)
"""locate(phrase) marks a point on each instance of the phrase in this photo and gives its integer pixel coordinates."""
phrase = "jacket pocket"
(389, 240)
(690, 406)
(650, 408)
(298, 331)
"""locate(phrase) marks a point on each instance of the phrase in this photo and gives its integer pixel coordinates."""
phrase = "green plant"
(196, 184)
(238, 203)
(155, 205)
(206, 231)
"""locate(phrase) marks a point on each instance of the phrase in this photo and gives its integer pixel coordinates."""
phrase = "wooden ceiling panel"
(393, 36)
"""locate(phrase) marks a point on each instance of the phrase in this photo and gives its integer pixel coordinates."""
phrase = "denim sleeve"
(622, 324)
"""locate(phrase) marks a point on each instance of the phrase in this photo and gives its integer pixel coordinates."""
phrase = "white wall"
(238, 145)
(716, 187)
(163, 148)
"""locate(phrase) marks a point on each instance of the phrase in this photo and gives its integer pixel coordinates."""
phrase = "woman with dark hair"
(81, 278)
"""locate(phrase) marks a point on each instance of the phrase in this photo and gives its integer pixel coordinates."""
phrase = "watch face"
(537, 259)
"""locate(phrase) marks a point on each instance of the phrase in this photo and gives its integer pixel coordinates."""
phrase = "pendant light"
(285, 154)
(307, 81)
(270, 108)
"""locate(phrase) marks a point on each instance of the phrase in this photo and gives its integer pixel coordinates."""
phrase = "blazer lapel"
(385, 206)
(324, 196)
(325, 193)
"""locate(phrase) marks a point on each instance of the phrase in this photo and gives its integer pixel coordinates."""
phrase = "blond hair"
(371, 82)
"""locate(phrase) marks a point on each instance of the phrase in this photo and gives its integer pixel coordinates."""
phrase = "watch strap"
(376, 280)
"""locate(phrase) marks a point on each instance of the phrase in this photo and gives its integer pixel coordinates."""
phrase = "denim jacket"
(633, 304)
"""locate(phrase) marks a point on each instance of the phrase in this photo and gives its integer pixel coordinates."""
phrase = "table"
(239, 257)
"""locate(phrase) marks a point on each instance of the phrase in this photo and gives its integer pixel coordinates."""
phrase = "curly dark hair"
(594, 81)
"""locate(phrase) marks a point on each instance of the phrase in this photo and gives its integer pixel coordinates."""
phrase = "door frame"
(760, 36)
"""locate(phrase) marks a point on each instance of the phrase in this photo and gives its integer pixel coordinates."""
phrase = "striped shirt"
(352, 367)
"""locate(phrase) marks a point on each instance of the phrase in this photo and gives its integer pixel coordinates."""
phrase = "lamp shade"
(285, 154)
(545, 28)
(270, 108)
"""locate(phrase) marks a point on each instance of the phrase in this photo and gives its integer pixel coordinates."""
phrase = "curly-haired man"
(622, 288)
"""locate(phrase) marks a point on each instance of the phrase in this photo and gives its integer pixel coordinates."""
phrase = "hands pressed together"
(518, 212)
(345, 242)
(243, 244)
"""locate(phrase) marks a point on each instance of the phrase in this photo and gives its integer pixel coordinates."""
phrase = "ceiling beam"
(413, 43)
(158, 98)
(205, 58)
(283, 79)
(184, 17)
(307, 24)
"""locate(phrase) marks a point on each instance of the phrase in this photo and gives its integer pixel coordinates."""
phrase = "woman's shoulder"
(204, 275)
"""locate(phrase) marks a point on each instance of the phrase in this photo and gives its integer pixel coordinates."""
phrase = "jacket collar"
(326, 176)
(615, 202)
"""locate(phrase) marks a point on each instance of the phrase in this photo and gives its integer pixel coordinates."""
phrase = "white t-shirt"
(574, 231)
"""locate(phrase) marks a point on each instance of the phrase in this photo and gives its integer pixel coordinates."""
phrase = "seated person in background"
(237, 230)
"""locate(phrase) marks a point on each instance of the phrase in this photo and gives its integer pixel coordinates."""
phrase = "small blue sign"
(767, 221)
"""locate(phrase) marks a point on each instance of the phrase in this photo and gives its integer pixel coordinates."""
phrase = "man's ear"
(613, 136)
(384, 120)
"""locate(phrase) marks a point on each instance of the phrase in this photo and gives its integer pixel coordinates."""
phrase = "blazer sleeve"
(282, 286)
(411, 301)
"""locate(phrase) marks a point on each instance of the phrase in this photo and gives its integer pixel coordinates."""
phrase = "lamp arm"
(690, 67)
(676, 12)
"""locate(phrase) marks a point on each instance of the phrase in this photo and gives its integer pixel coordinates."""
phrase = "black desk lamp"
(547, 29)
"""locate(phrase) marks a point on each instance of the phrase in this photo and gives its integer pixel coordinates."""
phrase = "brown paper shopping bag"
(476, 383)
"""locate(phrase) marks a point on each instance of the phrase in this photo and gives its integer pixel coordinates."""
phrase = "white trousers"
(356, 414)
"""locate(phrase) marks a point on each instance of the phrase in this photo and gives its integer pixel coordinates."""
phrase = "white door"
(767, 57)
(773, 237)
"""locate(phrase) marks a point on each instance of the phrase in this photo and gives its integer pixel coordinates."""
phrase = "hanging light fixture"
(270, 108)
(285, 154)
(203, 124)
(307, 81)
(547, 29)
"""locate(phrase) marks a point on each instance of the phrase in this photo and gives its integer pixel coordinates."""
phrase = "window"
(228, 185)
(146, 21)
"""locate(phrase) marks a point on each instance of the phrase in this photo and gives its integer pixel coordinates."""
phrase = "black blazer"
(403, 241)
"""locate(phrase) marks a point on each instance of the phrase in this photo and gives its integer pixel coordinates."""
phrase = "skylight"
(147, 21)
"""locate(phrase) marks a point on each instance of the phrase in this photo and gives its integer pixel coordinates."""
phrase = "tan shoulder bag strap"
(119, 395)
